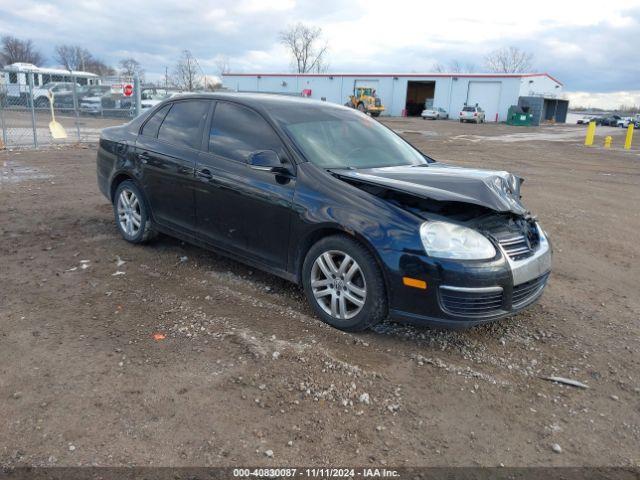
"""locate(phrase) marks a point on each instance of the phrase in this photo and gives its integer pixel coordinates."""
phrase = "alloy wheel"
(129, 213)
(338, 284)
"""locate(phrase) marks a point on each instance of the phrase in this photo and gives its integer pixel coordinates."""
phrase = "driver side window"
(238, 131)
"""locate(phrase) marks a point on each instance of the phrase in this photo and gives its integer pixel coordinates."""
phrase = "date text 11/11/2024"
(315, 472)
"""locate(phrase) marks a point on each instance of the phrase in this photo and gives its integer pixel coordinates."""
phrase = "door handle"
(144, 157)
(204, 174)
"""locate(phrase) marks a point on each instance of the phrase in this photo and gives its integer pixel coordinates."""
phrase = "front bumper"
(464, 294)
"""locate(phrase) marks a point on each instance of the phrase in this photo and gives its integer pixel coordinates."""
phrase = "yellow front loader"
(366, 100)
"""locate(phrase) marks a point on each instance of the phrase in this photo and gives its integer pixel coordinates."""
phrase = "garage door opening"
(419, 96)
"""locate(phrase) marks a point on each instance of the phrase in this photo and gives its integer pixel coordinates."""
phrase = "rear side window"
(237, 131)
(183, 124)
(152, 126)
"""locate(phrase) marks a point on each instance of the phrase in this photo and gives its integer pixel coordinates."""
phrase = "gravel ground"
(167, 354)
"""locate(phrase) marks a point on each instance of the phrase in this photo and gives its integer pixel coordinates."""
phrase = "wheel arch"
(120, 177)
(330, 230)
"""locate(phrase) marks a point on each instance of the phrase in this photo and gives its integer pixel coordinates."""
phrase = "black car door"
(168, 148)
(240, 208)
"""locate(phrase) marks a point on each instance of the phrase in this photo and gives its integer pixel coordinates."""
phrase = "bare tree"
(222, 65)
(72, 57)
(509, 60)
(187, 72)
(98, 67)
(454, 66)
(75, 57)
(306, 47)
(14, 50)
(130, 67)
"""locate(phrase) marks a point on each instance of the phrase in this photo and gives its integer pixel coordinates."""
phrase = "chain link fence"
(83, 105)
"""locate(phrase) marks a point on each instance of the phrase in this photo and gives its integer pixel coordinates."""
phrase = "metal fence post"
(2, 125)
(75, 106)
(137, 94)
(33, 109)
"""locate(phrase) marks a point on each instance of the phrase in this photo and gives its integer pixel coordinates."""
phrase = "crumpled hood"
(497, 190)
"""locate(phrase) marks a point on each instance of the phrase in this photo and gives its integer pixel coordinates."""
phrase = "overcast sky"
(592, 47)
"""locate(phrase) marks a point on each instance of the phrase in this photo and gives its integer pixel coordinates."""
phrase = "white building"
(408, 93)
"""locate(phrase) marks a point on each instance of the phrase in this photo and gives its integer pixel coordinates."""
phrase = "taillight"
(460, 113)
(475, 114)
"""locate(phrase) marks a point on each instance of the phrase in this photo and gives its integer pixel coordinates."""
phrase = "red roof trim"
(440, 75)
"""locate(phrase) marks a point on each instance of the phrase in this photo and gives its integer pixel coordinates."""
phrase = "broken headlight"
(447, 240)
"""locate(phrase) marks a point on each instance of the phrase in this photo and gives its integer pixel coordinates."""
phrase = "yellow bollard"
(627, 141)
(607, 141)
(591, 133)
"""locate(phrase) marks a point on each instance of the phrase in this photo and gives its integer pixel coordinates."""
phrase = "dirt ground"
(247, 376)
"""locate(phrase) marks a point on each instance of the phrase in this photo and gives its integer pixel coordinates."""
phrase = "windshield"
(336, 138)
(469, 109)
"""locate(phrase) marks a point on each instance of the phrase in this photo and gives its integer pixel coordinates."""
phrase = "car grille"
(516, 246)
(471, 303)
(528, 291)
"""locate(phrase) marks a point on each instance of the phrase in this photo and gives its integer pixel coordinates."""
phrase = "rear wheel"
(131, 213)
(344, 285)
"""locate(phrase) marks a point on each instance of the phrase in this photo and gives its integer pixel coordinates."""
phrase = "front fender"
(323, 204)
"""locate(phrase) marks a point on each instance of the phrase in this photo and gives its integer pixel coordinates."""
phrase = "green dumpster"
(519, 116)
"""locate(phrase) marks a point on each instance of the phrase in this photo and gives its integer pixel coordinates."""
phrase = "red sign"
(127, 90)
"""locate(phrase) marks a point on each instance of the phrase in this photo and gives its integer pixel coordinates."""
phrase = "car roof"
(264, 100)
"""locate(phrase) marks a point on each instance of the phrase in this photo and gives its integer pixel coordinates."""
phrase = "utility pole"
(166, 77)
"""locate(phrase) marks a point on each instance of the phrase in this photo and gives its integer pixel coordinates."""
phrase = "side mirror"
(266, 160)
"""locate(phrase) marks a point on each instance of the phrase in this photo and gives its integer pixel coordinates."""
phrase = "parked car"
(472, 114)
(327, 197)
(116, 104)
(435, 113)
(624, 122)
(62, 94)
(150, 97)
(586, 120)
(91, 98)
(611, 121)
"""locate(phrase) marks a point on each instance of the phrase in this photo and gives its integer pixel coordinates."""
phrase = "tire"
(461, 121)
(361, 107)
(375, 114)
(366, 285)
(137, 212)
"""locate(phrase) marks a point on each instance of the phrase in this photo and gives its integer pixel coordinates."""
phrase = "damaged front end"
(463, 290)
(486, 201)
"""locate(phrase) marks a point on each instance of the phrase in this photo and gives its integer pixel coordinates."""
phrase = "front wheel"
(131, 213)
(344, 285)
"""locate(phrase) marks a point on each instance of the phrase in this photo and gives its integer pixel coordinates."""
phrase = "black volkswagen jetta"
(329, 198)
